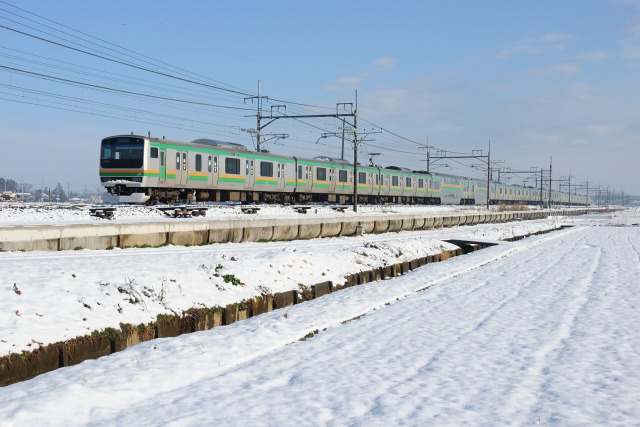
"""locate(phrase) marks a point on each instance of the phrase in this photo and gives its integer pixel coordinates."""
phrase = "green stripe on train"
(241, 179)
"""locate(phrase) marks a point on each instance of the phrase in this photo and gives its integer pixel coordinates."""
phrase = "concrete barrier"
(349, 228)
(428, 223)
(395, 224)
(309, 231)
(285, 232)
(259, 233)
(367, 226)
(407, 224)
(331, 229)
(381, 226)
(111, 235)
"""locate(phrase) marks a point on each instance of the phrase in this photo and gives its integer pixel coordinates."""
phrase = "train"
(148, 170)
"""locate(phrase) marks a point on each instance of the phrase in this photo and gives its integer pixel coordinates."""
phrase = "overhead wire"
(324, 125)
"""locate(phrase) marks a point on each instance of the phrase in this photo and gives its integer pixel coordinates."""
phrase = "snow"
(542, 330)
(56, 214)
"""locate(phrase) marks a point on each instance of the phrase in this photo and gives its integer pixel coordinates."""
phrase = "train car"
(141, 169)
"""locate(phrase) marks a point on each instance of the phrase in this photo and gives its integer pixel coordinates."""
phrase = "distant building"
(10, 196)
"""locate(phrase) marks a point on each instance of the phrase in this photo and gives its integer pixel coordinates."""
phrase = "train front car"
(122, 167)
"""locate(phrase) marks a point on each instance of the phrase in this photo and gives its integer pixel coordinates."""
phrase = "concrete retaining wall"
(185, 233)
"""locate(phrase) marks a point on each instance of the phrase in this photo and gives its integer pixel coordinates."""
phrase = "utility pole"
(258, 115)
(561, 183)
(355, 156)
(541, 201)
(280, 112)
(342, 152)
(550, 178)
(488, 175)
(475, 154)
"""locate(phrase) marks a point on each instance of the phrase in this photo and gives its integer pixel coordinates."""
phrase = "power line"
(103, 104)
(97, 38)
(123, 62)
(75, 82)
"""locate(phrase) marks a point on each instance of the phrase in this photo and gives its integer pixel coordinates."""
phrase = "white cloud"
(347, 81)
(602, 129)
(545, 43)
(595, 56)
(352, 82)
(559, 69)
(635, 3)
(386, 63)
(631, 43)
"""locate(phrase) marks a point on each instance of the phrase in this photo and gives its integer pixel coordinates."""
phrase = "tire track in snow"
(525, 394)
(477, 323)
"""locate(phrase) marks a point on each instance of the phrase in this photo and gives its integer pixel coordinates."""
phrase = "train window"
(215, 164)
(394, 181)
(407, 182)
(198, 162)
(342, 176)
(420, 183)
(154, 152)
(184, 161)
(279, 169)
(362, 177)
(232, 166)
(209, 164)
(321, 174)
(266, 169)
(436, 185)
(177, 161)
(299, 172)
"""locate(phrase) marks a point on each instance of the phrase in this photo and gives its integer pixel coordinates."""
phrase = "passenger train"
(141, 169)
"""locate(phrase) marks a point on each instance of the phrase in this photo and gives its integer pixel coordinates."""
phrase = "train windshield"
(122, 152)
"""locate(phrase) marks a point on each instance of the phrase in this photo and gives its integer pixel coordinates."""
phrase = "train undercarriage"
(152, 196)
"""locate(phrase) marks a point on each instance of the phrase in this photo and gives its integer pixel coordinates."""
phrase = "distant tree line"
(56, 194)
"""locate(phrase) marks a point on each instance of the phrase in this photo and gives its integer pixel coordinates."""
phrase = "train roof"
(200, 141)
(331, 159)
(219, 144)
(398, 168)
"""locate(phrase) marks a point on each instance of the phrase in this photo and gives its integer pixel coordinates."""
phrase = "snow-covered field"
(542, 330)
(49, 297)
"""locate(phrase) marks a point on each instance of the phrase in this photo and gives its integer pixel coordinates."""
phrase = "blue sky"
(537, 79)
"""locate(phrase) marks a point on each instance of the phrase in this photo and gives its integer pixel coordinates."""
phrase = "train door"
(332, 180)
(308, 174)
(178, 177)
(249, 174)
(182, 175)
(281, 177)
(212, 168)
(163, 165)
(377, 176)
